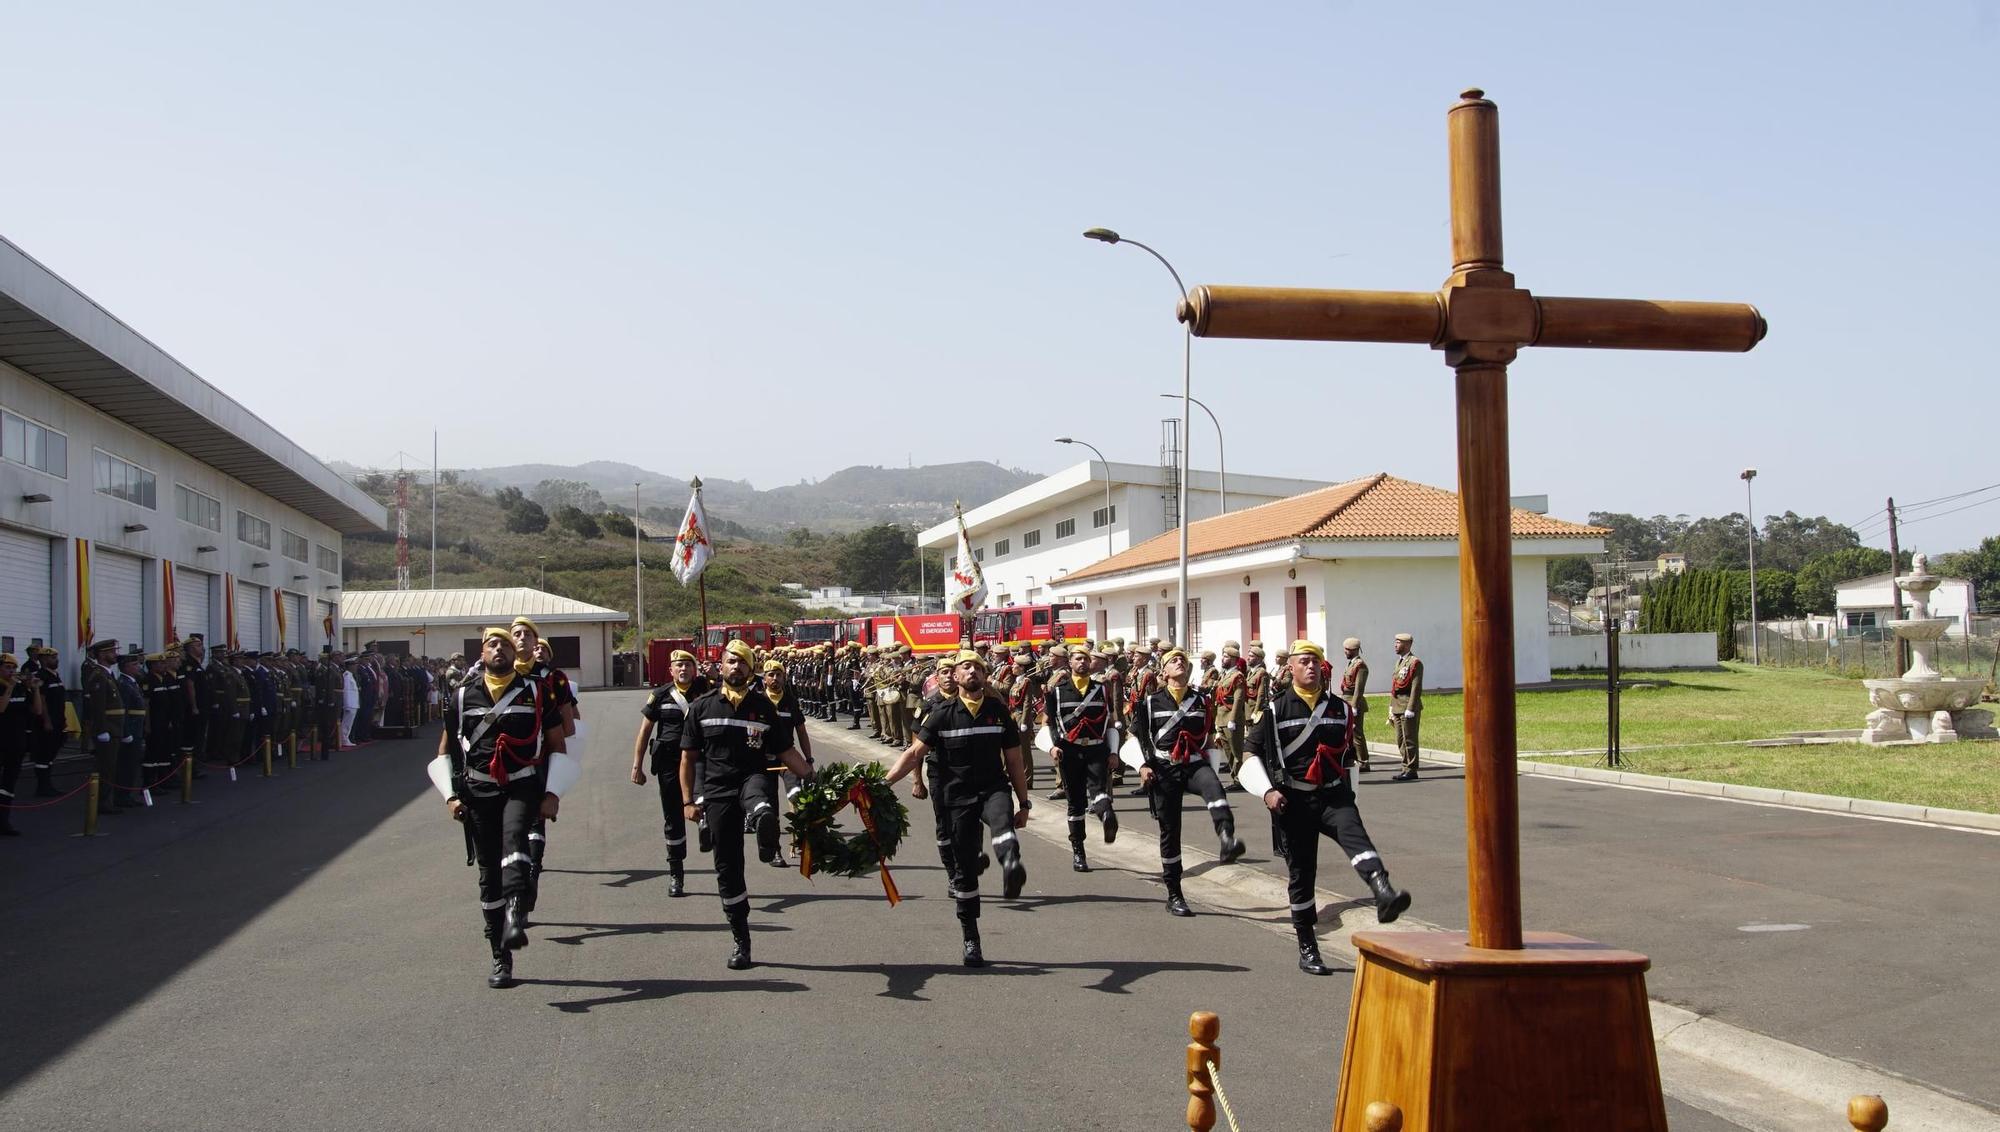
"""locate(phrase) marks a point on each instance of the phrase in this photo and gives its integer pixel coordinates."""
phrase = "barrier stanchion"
(90, 806)
(267, 756)
(292, 750)
(187, 779)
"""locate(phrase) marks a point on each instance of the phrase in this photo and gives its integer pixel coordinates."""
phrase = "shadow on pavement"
(649, 990)
(627, 877)
(593, 932)
(906, 980)
(97, 925)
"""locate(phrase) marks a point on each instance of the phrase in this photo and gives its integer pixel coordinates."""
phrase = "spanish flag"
(278, 601)
(167, 600)
(83, 630)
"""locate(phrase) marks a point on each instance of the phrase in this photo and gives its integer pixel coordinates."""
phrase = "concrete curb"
(1967, 820)
(1744, 1077)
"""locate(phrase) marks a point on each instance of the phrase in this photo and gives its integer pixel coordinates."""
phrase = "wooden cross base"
(1554, 1036)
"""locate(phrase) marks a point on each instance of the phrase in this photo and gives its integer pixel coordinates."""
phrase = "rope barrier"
(81, 787)
(172, 774)
(1228, 1113)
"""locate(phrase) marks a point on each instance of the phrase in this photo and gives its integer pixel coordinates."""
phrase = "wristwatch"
(1027, 804)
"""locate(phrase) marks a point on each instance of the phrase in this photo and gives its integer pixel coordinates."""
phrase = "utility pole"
(1896, 591)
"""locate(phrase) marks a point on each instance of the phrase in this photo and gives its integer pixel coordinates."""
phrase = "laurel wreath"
(823, 848)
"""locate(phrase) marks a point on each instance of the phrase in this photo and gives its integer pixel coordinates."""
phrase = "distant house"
(1672, 562)
(1866, 603)
(438, 623)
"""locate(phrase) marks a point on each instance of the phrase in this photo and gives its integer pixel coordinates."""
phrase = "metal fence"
(1864, 654)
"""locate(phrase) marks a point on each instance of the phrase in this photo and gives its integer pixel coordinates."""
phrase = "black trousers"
(44, 745)
(1086, 785)
(13, 752)
(673, 817)
(1168, 787)
(727, 813)
(1310, 815)
(967, 825)
(500, 823)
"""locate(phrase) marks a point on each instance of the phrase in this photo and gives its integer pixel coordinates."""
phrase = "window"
(1139, 624)
(1031, 540)
(566, 652)
(951, 563)
(1194, 625)
(979, 554)
(38, 446)
(251, 529)
(1104, 516)
(1001, 547)
(1041, 619)
(194, 507)
(294, 545)
(122, 479)
(329, 559)
(1066, 528)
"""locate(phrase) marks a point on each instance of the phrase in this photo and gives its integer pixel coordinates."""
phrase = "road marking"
(1775, 928)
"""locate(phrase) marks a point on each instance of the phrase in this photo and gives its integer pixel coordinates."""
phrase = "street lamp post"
(544, 560)
(639, 580)
(1750, 520)
(1107, 487)
(1106, 235)
(1221, 458)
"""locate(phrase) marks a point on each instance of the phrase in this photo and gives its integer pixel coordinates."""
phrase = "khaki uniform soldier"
(1231, 712)
(1354, 689)
(102, 715)
(913, 673)
(1211, 676)
(871, 672)
(1406, 699)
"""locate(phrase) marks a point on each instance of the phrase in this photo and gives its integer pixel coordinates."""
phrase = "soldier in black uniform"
(166, 706)
(47, 739)
(122, 793)
(1079, 711)
(788, 733)
(500, 728)
(532, 658)
(1175, 727)
(945, 692)
(1295, 759)
(20, 720)
(723, 740)
(978, 763)
(659, 741)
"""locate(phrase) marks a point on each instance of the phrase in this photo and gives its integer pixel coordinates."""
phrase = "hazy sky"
(767, 241)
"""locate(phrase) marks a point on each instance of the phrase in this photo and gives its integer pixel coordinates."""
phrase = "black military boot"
(969, 926)
(1013, 876)
(1228, 844)
(514, 932)
(1389, 903)
(856, 725)
(1110, 817)
(1076, 860)
(1309, 960)
(676, 879)
(503, 960)
(45, 783)
(739, 931)
(1176, 903)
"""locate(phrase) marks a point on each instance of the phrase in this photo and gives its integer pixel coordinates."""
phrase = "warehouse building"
(437, 623)
(137, 501)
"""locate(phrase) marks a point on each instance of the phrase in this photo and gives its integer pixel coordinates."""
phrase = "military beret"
(1351, 643)
(1405, 638)
(100, 646)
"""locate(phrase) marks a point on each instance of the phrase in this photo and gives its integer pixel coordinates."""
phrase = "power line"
(1948, 498)
(1953, 511)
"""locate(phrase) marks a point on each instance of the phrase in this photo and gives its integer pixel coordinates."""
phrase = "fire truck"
(821, 631)
(758, 634)
(659, 652)
(923, 632)
(1039, 625)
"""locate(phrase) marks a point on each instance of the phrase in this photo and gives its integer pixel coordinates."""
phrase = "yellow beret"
(773, 666)
(967, 656)
(155, 656)
(8, 658)
(1172, 653)
(519, 622)
(495, 631)
(1308, 647)
(944, 663)
(679, 654)
(741, 648)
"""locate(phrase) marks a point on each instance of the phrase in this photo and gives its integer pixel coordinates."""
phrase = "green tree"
(1820, 575)
(878, 557)
(616, 525)
(1570, 577)
(528, 518)
(578, 520)
(1980, 566)
(1717, 544)
(1790, 540)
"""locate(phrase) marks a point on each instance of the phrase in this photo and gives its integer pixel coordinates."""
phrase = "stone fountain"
(1919, 706)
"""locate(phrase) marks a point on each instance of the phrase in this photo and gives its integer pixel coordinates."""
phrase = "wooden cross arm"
(1435, 318)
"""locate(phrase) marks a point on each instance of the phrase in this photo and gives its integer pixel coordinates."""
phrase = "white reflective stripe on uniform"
(944, 842)
(1100, 798)
(1173, 860)
(482, 776)
(1305, 907)
(1219, 804)
(1311, 724)
(677, 841)
(999, 839)
(736, 899)
(982, 729)
(533, 836)
(492, 905)
(1076, 819)
(513, 857)
(1370, 855)
(750, 725)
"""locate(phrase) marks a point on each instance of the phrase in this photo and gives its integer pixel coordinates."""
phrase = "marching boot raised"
(1309, 960)
(1228, 844)
(514, 933)
(1389, 903)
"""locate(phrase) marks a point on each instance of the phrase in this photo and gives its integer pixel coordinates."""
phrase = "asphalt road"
(304, 952)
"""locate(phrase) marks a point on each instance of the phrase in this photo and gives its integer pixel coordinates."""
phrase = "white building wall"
(1954, 598)
(76, 509)
(594, 640)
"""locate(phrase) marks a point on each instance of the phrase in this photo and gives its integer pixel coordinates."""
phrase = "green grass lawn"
(1693, 718)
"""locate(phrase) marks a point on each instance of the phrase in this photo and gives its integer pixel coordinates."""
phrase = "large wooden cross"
(1480, 319)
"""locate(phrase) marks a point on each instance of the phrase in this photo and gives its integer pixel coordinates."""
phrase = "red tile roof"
(1376, 507)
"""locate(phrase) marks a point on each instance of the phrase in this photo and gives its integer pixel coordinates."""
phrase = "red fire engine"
(923, 632)
(659, 652)
(820, 631)
(758, 634)
(1038, 625)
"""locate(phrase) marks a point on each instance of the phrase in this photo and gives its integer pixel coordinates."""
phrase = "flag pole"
(701, 590)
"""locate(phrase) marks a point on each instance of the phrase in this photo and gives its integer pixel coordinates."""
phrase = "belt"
(477, 776)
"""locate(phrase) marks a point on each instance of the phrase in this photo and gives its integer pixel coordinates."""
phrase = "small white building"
(1030, 538)
(1369, 559)
(438, 623)
(1867, 603)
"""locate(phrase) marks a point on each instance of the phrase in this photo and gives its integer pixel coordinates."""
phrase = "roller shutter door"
(295, 620)
(193, 603)
(117, 598)
(250, 602)
(27, 599)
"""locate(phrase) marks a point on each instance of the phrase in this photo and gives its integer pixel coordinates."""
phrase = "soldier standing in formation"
(129, 718)
(99, 681)
(722, 741)
(44, 741)
(166, 711)
(1354, 689)
(1406, 699)
(659, 742)
(1294, 760)
(1080, 714)
(1229, 706)
(21, 719)
(1175, 728)
(981, 785)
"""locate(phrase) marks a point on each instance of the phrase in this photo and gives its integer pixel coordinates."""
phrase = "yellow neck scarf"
(1311, 698)
(1082, 683)
(734, 696)
(496, 684)
(1178, 694)
(972, 706)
